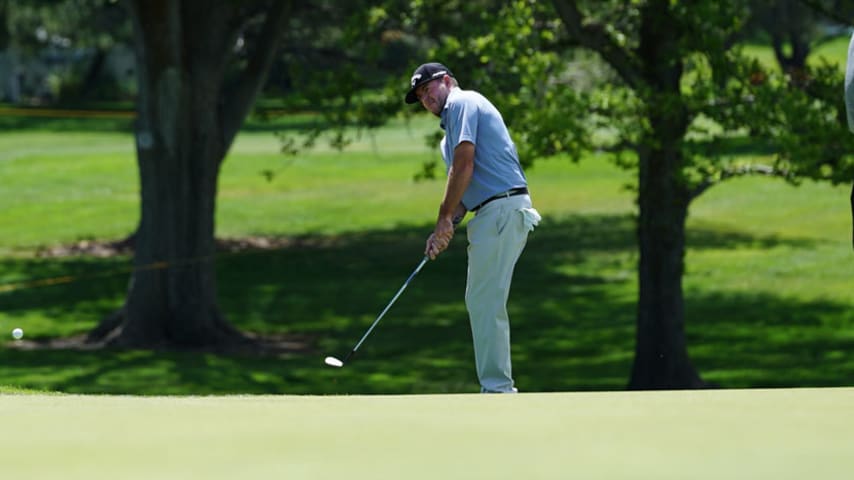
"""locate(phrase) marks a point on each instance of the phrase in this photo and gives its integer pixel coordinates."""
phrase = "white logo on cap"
(415, 79)
(440, 73)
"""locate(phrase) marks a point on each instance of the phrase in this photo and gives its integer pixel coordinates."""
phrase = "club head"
(333, 362)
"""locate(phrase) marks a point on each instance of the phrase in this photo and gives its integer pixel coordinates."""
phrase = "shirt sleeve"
(443, 147)
(463, 118)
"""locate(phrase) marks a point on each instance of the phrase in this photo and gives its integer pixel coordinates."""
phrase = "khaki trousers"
(496, 235)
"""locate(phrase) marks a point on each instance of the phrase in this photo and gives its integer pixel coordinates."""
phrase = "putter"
(334, 362)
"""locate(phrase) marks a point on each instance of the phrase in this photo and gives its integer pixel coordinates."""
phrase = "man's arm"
(459, 177)
(849, 107)
(849, 85)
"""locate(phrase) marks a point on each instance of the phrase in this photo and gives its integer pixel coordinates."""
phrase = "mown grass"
(711, 434)
(767, 283)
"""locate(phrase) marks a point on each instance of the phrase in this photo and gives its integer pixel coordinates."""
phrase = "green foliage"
(71, 39)
(339, 57)
(799, 118)
(35, 24)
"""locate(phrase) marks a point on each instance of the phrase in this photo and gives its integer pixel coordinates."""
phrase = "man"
(485, 177)
(849, 106)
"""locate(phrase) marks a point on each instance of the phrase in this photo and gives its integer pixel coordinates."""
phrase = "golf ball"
(17, 333)
(333, 362)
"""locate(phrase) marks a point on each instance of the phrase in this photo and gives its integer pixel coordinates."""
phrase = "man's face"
(433, 94)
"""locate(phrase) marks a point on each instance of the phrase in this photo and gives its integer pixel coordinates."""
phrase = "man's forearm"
(459, 178)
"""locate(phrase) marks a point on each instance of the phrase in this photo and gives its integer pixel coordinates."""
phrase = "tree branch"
(737, 171)
(818, 7)
(595, 37)
(239, 101)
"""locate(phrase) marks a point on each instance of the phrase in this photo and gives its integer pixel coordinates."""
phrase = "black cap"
(423, 74)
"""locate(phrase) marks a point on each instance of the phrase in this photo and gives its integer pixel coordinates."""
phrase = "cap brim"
(411, 97)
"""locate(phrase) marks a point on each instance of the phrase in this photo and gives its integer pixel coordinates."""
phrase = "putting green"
(715, 434)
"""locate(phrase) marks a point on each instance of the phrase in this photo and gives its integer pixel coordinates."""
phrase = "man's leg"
(497, 236)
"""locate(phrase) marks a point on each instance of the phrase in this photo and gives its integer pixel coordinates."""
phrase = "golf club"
(334, 362)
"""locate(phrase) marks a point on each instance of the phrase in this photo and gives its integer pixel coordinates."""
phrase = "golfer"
(484, 177)
(849, 107)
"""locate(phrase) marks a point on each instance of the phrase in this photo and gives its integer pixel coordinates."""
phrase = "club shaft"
(417, 269)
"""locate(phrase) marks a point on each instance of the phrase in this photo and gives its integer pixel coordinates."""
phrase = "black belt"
(509, 193)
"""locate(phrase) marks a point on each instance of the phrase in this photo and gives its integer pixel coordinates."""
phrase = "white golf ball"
(17, 334)
(333, 362)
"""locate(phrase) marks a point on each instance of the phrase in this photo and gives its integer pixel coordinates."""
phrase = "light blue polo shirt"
(849, 85)
(469, 116)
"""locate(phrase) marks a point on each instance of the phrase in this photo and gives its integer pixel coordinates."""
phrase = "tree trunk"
(185, 124)
(661, 355)
(179, 153)
(172, 295)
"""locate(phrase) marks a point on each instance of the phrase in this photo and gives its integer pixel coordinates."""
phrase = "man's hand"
(440, 238)
(434, 247)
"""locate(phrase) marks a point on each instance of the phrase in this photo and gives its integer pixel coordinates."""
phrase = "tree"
(792, 24)
(669, 41)
(651, 63)
(195, 89)
(5, 34)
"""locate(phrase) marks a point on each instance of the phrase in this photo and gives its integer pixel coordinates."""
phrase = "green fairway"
(733, 434)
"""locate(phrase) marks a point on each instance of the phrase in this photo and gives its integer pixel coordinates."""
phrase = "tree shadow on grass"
(572, 309)
(762, 340)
